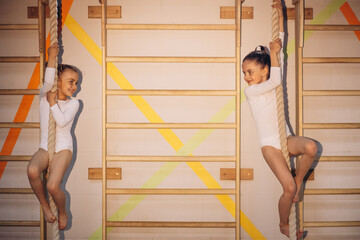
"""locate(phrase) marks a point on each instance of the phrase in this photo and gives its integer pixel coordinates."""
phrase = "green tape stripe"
(167, 168)
(321, 18)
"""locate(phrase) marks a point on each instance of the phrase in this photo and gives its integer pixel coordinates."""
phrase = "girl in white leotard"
(261, 97)
(63, 110)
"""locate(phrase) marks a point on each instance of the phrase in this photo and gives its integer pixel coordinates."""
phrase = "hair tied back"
(258, 49)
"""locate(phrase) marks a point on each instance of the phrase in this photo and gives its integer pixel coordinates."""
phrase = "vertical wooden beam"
(42, 54)
(299, 44)
(238, 5)
(104, 118)
(42, 39)
(301, 22)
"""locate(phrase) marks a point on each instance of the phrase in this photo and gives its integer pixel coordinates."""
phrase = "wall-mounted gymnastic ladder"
(107, 125)
(300, 28)
(17, 126)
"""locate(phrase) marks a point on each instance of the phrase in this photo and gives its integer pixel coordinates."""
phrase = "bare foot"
(48, 215)
(298, 189)
(299, 234)
(63, 218)
(284, 229)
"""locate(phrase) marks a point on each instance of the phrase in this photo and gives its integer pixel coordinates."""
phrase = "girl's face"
(67, 83)
(254, 73)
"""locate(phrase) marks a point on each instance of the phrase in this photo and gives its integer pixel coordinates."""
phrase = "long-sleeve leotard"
(262, 100)
(63, 112)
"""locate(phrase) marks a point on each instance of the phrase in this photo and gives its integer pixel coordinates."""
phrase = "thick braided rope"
(52, 124)
(282, 125)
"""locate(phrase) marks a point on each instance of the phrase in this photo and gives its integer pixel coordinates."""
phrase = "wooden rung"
(331, 93)
(4, 223)
(19, 91)
(111, 11)
(170, 125)
(173, 59)
(170, 27)
(19, 125)
(33, 12)
(111, 174)
(331, 27)
(19, 27)
(159, 191)
(171, 158)
(19, 59)
(229, 12)
(339, 158)
(331, 60)
(333, 224)
(332, 191)
(16, 191)
(331, 125)
(308, 13)
(229, 174)
(171, 224)
(14, 158)
(172, 92)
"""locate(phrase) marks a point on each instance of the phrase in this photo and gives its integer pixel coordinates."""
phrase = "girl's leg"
(37, 165)
(58, 167)
(307, 147)
(278, 165)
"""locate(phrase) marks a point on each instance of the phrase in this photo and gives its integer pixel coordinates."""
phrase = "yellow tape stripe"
(119, 78)
(152, 116)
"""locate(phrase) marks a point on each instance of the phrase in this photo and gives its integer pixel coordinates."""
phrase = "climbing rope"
(52, 124)
(282, 125)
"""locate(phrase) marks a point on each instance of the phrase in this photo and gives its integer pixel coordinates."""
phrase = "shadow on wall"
(72, 131)
(286, 106)
(285, 43)
(73, 160)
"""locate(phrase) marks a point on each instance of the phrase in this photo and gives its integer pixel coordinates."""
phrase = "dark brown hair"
(62, 67)
(260, 57)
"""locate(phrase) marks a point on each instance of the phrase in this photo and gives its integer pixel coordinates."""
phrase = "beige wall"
(258, 197)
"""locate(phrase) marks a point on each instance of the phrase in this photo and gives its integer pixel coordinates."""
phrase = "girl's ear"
(58, 82)
(265, 71)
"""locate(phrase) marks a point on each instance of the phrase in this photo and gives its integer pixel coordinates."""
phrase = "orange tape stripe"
(350, 17)
(20, 116)
(27, 100)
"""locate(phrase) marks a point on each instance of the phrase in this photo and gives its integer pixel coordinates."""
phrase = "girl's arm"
(281, 53)
(275, 73)
(64, 118)
(276, 66)
(53, 51)
(264, 87)
(48, 81)
(279, 8)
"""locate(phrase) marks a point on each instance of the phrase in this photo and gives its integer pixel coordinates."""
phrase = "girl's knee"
(311, 148)
(52, 187)
(33, 172)
(290, 190)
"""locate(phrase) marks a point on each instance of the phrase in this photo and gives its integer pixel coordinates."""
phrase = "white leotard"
(63, 112)
(262, 100)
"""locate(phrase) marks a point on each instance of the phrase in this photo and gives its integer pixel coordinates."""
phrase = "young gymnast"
(63, 110)
(261, 97)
